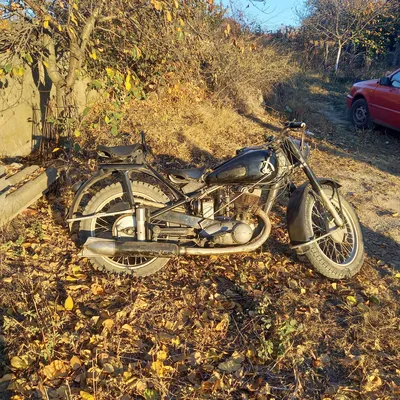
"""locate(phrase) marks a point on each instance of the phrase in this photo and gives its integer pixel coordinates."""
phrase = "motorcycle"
(145, 217)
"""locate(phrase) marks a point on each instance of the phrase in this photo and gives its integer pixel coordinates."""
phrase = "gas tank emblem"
(267, 168)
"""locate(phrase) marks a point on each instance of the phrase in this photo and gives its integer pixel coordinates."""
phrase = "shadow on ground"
(321, 103)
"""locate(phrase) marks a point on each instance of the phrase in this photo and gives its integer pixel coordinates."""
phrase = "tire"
(339, 255)
(113, 196)
(360, 115)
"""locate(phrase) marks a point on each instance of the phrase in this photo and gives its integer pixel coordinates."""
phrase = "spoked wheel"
(112, 199)
(340, 254)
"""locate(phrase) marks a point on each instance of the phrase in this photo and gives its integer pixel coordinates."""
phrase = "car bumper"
(349, 100)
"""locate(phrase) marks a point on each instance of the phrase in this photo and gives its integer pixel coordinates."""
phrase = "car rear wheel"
(360, 114)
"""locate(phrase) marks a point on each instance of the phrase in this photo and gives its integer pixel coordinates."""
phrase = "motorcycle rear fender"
(296, 211)
(105, 171)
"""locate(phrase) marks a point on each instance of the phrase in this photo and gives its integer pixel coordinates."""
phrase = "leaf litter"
(255, 326)
(223, 327)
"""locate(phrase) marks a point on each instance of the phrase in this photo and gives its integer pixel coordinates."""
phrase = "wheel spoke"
(340, 250)
(102, 228)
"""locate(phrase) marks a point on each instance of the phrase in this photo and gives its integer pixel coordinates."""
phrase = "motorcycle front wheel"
(110, 199)
(341, 254)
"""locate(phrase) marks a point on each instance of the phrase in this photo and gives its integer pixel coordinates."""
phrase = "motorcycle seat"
(187, 174)
(120, 152)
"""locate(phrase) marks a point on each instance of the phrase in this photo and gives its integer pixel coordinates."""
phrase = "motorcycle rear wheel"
(113, 196)
(341, 254)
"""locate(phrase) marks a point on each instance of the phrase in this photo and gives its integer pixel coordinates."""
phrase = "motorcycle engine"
(233, 221)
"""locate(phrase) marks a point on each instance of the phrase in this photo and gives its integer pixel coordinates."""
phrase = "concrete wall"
(19, 108)
(23, 102)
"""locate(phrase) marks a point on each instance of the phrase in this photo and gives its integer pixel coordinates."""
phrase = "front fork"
(316, 185)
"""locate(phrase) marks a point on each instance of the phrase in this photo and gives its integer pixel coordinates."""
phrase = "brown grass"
(193, 132)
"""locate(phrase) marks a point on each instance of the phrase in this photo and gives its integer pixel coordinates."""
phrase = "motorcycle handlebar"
(295, 124)
(286, 130)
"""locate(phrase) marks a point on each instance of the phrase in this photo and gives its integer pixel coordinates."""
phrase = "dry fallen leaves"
(69, 303)
(351, 300)
(108, 324)
(127, 328)
(223, 324)
(233, 363)
(56, 369)
(20, 362)
(373, 382)
(160, 369)
(158, 366)
(197, 327)
(97, 289)
(86, 395)
(75, 362)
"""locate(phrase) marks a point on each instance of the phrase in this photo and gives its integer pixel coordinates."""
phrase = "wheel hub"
(361, 114)
(339, 233)
(125, 226)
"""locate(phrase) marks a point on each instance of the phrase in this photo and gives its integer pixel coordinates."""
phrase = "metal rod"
(298, 246)
(168, 208)
(177, 193)
(128, 187)
(315, 184)
(99, 215)
(140, 223)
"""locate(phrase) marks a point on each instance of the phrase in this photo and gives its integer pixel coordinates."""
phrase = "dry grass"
(244, 74)
(187, 132)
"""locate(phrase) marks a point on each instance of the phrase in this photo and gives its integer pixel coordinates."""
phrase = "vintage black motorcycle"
(136, 224)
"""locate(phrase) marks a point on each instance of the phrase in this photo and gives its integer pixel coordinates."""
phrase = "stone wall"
(23, 102)
(19, 109)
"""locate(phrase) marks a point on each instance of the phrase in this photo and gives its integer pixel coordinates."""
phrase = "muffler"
(95, 247)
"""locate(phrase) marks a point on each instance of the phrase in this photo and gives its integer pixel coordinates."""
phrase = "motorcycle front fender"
(296, 211)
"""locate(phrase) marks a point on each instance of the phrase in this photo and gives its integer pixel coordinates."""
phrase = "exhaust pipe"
(95, 247)
(244, 248)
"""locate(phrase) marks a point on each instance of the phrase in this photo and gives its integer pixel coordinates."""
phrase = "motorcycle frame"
(125, 171)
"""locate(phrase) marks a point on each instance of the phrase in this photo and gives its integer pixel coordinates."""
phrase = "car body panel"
(383, 101)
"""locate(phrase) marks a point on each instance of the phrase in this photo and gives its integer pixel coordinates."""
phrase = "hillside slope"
(255, 326)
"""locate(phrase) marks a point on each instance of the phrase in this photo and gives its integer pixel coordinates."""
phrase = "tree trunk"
(326, 53)
(60, 98)
(338, 56)
(396, 58)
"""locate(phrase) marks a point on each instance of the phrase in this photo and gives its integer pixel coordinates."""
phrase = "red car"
(376, 101)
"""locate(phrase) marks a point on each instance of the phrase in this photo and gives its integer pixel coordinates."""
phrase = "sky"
(271, 14)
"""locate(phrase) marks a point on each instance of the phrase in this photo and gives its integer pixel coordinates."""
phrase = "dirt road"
(367, 164)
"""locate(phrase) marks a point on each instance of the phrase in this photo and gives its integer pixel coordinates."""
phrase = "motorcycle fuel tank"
(248, 166)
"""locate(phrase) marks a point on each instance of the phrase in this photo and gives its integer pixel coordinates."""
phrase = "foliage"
(379, 37)
(51, 36)
(364, 25)
(128, 50)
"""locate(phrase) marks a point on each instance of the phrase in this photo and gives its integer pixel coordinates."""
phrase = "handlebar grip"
(295, 124)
